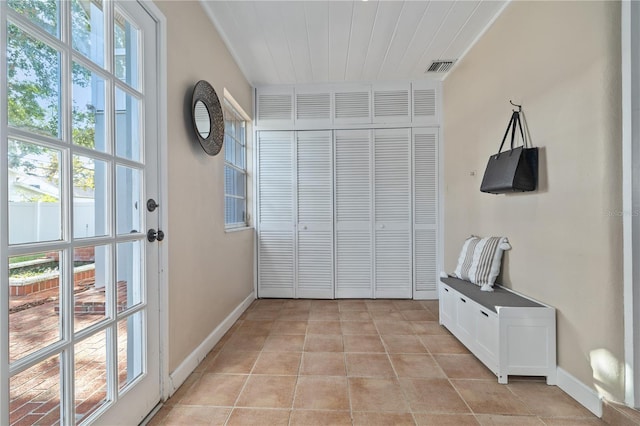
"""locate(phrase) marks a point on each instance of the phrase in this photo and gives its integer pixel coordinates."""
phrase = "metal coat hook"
(515, 105)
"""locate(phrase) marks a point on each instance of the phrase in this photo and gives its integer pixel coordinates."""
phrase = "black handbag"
(515, 170)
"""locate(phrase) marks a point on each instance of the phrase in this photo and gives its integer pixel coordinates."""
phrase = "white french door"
(78, 164)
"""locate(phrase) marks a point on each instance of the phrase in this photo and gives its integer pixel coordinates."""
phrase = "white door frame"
(4, 220)
(630, 33)
(163, 184)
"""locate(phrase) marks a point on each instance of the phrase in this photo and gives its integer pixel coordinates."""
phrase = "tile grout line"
(346, 376)
(449, 380)
(522, 401)
(253, 366)
(397, 377)
(295, 386)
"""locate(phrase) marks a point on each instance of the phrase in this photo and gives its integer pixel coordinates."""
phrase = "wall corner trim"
(182, 372)
(580, 392)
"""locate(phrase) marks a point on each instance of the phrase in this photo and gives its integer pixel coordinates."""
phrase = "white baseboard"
(580, 392)
(182, 372)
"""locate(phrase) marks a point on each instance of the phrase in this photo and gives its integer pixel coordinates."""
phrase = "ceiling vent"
(440, 66)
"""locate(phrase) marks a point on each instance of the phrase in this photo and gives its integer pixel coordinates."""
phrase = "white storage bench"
(510, 333)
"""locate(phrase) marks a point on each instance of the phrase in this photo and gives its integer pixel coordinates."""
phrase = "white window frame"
(231, 106)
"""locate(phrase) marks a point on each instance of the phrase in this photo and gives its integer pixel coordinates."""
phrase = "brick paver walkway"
(34, 323)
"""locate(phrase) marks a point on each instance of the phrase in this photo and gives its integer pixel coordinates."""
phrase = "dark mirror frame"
(206, 94)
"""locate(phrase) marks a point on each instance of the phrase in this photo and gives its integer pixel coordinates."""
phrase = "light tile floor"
(356, 362)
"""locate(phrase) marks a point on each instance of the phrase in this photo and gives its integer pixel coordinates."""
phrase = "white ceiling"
(299, 42)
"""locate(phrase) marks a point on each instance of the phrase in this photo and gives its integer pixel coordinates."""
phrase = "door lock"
(152, 235)
(152, 205)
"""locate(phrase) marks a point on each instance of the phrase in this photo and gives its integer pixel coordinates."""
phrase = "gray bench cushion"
(489, 299)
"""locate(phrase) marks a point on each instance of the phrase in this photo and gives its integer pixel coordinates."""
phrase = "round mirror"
(206, 114)
(202, 120)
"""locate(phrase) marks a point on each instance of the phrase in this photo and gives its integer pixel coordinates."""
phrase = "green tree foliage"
(34, 88)
(33, 72)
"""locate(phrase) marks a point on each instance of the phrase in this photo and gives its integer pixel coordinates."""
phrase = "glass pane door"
(78, 293)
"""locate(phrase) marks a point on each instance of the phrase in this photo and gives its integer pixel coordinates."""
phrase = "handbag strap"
(515, 120)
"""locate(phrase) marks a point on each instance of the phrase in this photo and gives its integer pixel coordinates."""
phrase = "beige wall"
(210, 271)
(561, 61)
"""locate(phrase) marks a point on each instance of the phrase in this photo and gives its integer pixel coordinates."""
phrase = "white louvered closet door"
(315, 214)
(276, 230)
(353, 214)
(392, 201)
(425, 227)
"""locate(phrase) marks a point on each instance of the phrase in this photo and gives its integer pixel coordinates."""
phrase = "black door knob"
(153, 235)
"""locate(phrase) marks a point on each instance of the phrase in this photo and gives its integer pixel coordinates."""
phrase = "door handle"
(153, 235)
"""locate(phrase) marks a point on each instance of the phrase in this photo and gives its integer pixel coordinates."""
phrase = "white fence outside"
(38, 221)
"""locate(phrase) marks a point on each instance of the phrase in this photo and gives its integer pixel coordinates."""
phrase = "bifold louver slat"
(315, 266)
(392, 179)
(353, 213)
(353, 176)
(275, 107)
(352, 105)
(315, 214)
(425, 177)
(424, 103)
(425, 218)
(276, 263)
(315, 177)
(391, 104)
(276, 214)
(393, 263)
(425, 255)
(392, 211)
(313, 106)
(275, 172)
(353, 264)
